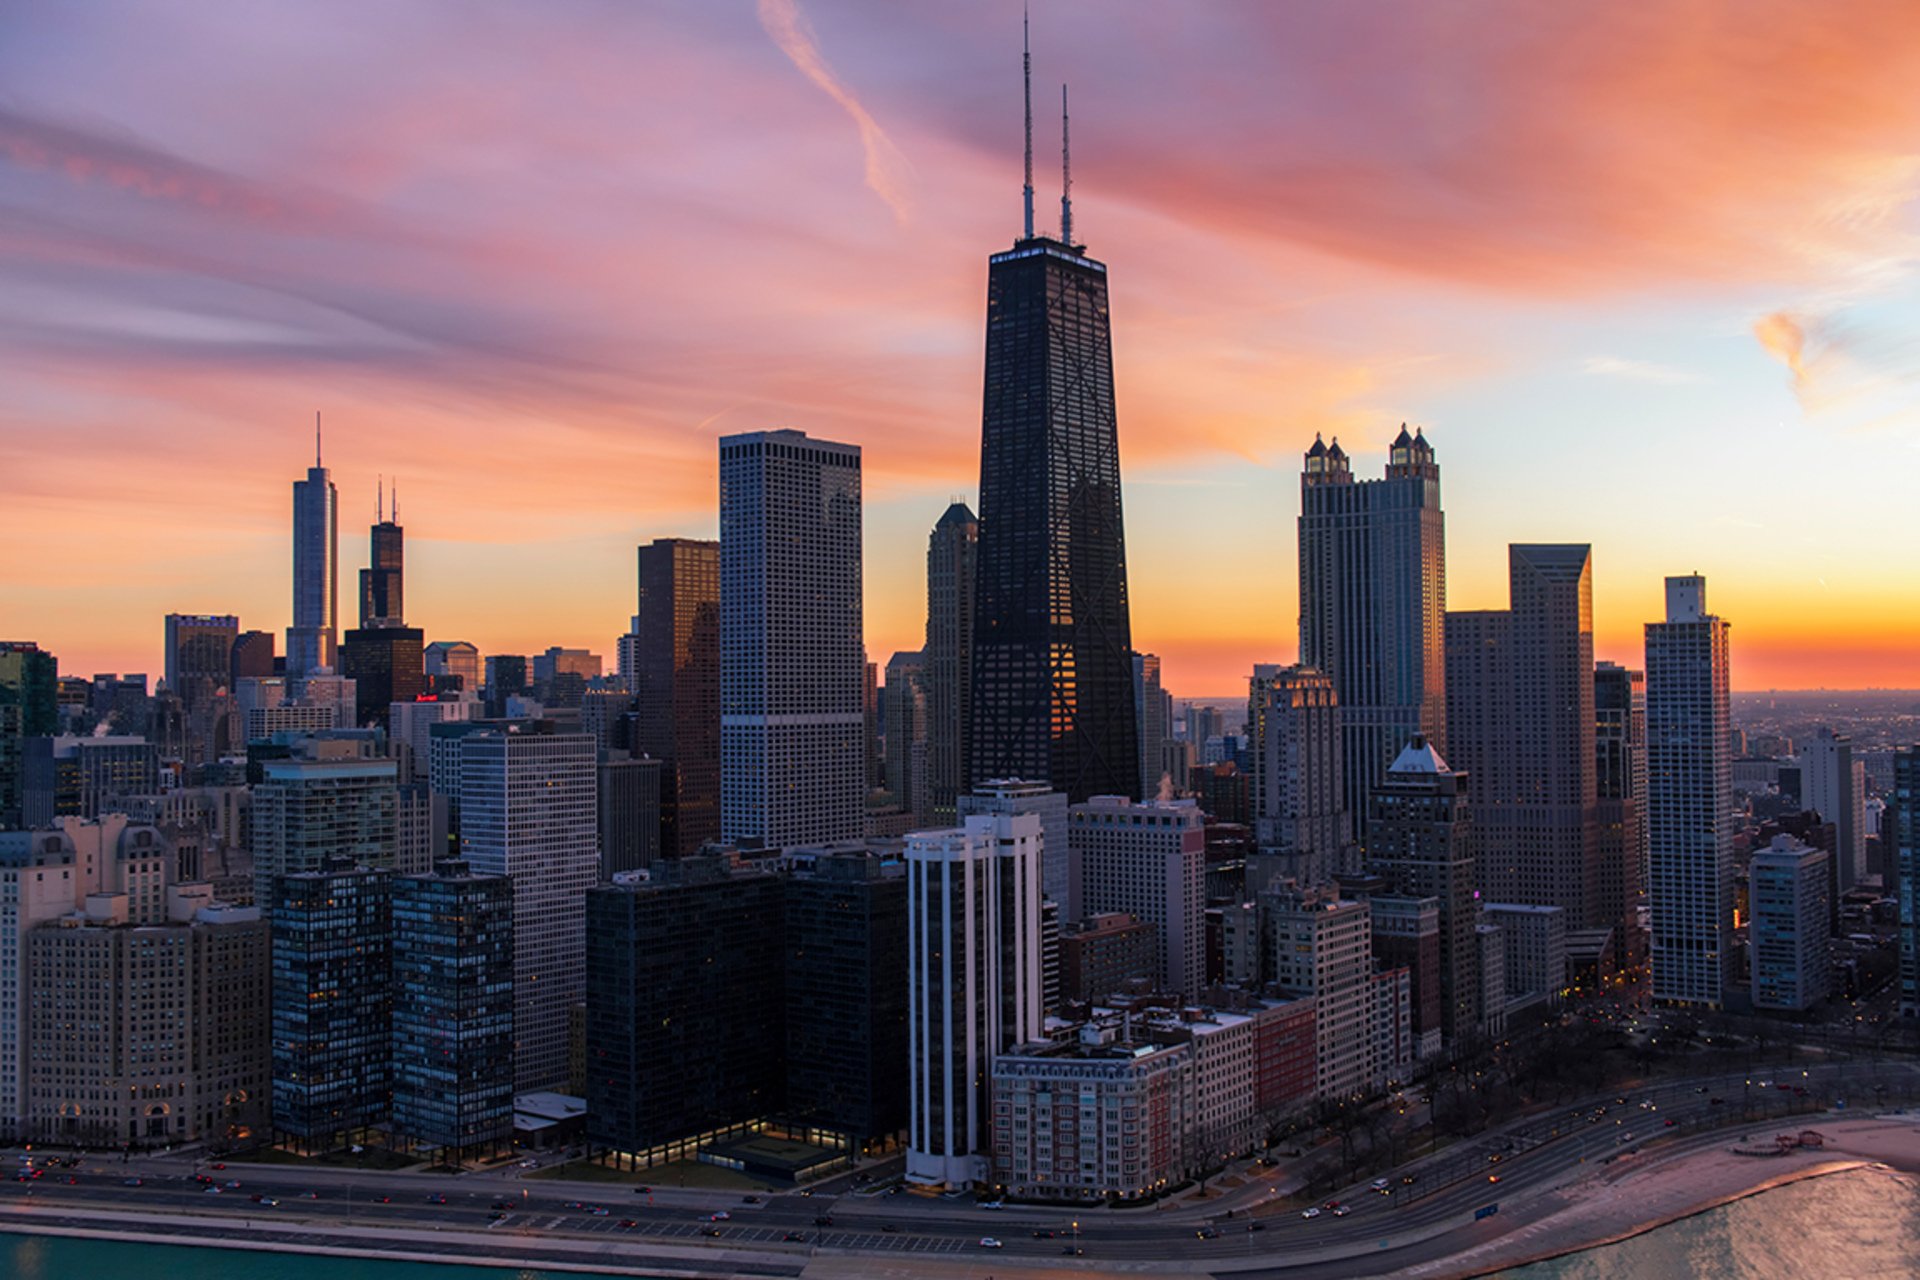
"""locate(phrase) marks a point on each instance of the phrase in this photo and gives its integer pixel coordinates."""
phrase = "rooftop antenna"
(1066, 176)
(396, 499)
(1026, 75)
(380, 503)
(316, 438)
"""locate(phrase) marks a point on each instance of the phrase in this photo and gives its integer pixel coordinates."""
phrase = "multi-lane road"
(1424, 1220)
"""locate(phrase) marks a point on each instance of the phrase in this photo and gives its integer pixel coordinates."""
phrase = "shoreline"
(1594, 1210)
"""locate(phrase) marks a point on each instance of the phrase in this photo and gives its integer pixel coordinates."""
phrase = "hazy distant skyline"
(1645, 275)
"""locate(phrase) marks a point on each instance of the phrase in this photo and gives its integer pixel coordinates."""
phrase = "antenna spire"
(1026, 75)
(1066, 175)
(316, 438)
(380, 502)
(396, 499)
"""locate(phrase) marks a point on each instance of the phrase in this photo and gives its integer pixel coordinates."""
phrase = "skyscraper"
(1689, 798)
(527, 811)
(675, 682)
(1905, 803)
(1620, 784)
(1148, 860)
(1299, 795)
(307, 810)
(1835, 787)
(1422, 844)
(791, 723)
(952, 558)
(1150, 701)
(453, 1012)
(380, 582)
(316, 569)
(1373, 601)
(1520, 721)
(1788, 935)
(1052, 646)
(905, 695)
(974, 983)
(29, 708)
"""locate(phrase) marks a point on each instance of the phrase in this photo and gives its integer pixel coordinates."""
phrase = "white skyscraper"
(1149, 860)
(1833, 782)
(1787, 892)
(1689, 798)
(1013, 795)
(792, 720)
(528, 810)
(974, 985)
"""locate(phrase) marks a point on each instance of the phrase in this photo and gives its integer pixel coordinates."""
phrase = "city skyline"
(1689, 309)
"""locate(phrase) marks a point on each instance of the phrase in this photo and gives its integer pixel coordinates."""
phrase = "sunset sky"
(1647, 274)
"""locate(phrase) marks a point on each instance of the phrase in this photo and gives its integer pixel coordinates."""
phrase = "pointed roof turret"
(1403, 440)
(1319, 449)
(1418, 756)
(1335, 452)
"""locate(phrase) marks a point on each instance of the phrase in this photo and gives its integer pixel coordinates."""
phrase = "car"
(720, 1216)
(643, 1191)
(988, 1242)
(233, 1184)
(1314, 1212)
(1669, 1123)
(216, 1165)
(1043, 1234)
(1331, 1205)
(823, 1220)
(1206, 1233)
(257, 1197)
(749, 1199)
(628, 1224)
(1493, 1177)
(496, 1216)
(575, 1204)
(1073, 1251)
(794, 1237)
(310, 1195)
(807, 1191)
(598, 1211)
(993, 1204)
(1256, 1226)
(211, 1190)
(132, 1182)
(710, 1231)
(383, 1199)
(267, 1202)
(1379, 1184)
(1625, 1137)
(1716, 1102)
(1409, 1179)
(889, 1228)
(436, 1198)
(502, 1204)
(1342, 1211)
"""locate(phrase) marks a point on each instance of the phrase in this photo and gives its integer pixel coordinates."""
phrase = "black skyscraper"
(1052, 650)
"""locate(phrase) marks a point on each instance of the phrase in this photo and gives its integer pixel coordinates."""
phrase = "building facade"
(1148, 860)
(1690, 799)
(316, 571)
(791, 657)
(952, 563)
(675, 681)
(1373, 597)
(1788, 935)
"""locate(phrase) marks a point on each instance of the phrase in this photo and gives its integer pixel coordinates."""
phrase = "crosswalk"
(833, 1238)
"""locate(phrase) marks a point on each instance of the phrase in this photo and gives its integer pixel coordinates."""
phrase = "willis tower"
(1052, 658)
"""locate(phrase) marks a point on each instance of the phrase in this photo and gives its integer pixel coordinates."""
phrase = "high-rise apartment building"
(1373, 597)
(1059, 876)
(1904, 800)
(1835, 786)
(1053, 693)
(630, 795)
(316, 570)
(905, 693)
(332, 943)
(527, 811)
(1620, 783)
(1690, 799)
(974, 984)
(1299, 791)
(1787, 931)
(1520, 722)
(1422, 844)
(1150, 699)
(952, 560)
(1148, 859)
(453, 1012)
(791, 659)
(330, 804)
(685, 1029)
(29, 708)
(675, 681)
(1322, 946)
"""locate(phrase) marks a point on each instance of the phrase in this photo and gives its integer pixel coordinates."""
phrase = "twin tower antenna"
(1066, 154)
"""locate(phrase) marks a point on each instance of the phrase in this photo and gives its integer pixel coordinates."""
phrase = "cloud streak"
(885, 165)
